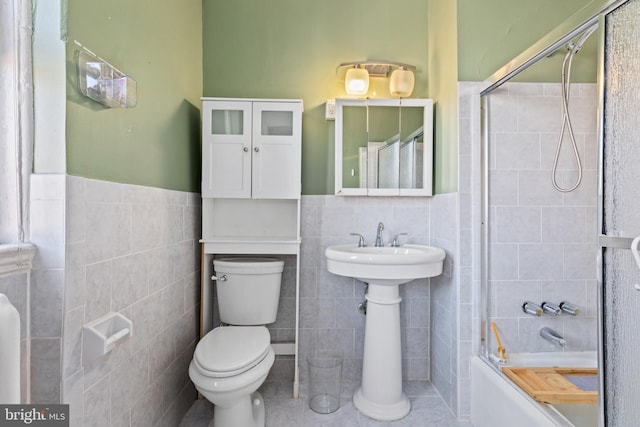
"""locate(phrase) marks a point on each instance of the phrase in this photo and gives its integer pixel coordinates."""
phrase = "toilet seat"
(231, 350)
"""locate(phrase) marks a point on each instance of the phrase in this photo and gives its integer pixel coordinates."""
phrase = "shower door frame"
(590, 15)
(604, 241)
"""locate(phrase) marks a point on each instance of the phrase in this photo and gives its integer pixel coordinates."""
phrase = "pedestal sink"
(384, 268)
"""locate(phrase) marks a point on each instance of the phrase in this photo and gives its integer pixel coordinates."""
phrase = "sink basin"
(385, 265)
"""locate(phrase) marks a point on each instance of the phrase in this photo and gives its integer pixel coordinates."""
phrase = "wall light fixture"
(356, 80)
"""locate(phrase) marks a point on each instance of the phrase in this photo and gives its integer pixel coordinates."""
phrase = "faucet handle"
(569, 308)
(396, 240)
(551, 308)
(532, 308)
(361, 242)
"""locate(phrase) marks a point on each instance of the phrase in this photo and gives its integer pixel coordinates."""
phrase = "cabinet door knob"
(256, 149)
(245, 149)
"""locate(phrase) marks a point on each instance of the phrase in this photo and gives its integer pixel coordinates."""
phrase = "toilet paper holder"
(104, 334)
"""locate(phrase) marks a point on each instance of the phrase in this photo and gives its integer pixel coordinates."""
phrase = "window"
(16, 132)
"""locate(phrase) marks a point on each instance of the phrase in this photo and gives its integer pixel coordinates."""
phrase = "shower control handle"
(532, 308)
(569, 308)
(550, 308)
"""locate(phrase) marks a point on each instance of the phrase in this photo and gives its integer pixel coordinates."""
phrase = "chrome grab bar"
(615, 241)
(623, 243)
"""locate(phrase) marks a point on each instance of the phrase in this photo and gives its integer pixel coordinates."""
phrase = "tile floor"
(427, 410)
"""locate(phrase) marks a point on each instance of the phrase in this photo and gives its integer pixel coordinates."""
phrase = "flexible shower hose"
(566, 124)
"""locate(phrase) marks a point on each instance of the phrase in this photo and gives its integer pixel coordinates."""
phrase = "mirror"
(384, 147)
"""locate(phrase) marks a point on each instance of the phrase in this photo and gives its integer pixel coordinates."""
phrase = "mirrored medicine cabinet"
(384, 147)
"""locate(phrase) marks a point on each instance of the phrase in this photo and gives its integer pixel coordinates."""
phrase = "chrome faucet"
(395, 243)
(553, 337)
(361, 242)
(379, 241)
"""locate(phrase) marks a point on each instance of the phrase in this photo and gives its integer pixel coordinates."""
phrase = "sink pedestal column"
(380, 396)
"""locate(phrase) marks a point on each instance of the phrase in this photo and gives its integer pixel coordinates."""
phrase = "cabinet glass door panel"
(277, 123)
(276, 150)
(227, 122)
(226, 149)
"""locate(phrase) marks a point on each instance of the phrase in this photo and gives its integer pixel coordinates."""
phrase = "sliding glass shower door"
(621, 216)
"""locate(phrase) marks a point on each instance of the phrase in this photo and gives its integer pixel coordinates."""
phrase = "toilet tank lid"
(248, 265)
(232, 348)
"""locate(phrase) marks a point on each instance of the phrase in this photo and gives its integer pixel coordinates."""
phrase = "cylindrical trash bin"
(325, 384)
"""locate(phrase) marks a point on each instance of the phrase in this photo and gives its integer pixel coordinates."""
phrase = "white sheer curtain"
(16, 118)
(16, 129)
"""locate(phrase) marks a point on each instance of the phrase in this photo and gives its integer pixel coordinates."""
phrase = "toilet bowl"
(228, 366)
(231, 362)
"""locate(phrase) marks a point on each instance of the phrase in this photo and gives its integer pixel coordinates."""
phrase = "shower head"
(575, 46)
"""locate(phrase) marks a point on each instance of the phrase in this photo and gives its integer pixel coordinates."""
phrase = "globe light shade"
(356, 81)
(401, 83)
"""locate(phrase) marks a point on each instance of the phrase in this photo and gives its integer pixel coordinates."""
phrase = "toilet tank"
(250, 291)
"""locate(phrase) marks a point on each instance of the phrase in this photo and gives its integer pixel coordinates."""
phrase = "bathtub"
(497, 402)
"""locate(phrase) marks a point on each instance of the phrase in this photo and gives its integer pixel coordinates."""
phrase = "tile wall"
(444, 300)
(331, 326)
(123, 248)
(542, 242)
(469, 196)
(47, 286)
(454, 220)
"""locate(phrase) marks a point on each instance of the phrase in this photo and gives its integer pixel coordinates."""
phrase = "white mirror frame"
(427, 190)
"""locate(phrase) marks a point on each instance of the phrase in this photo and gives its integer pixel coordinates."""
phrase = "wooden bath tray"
(550, 385)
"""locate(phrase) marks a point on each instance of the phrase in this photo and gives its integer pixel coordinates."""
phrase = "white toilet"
(231, 362)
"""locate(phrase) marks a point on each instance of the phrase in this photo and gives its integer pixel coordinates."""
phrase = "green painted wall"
(157, 143)
(493, 32)
(443, 88)
(291, 48)
(178, 51)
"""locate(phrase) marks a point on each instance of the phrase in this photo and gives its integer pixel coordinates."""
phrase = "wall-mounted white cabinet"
(251, 148)
(251, 183)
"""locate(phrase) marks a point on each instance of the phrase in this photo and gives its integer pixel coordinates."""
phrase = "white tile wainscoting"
(103, 247)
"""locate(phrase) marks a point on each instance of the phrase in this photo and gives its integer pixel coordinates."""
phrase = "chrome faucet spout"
(553, 337)
(379, 241)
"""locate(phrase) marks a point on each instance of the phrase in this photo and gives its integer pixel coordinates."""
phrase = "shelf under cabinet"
(251, 245)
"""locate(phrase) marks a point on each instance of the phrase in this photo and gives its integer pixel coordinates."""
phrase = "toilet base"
(249, 412)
